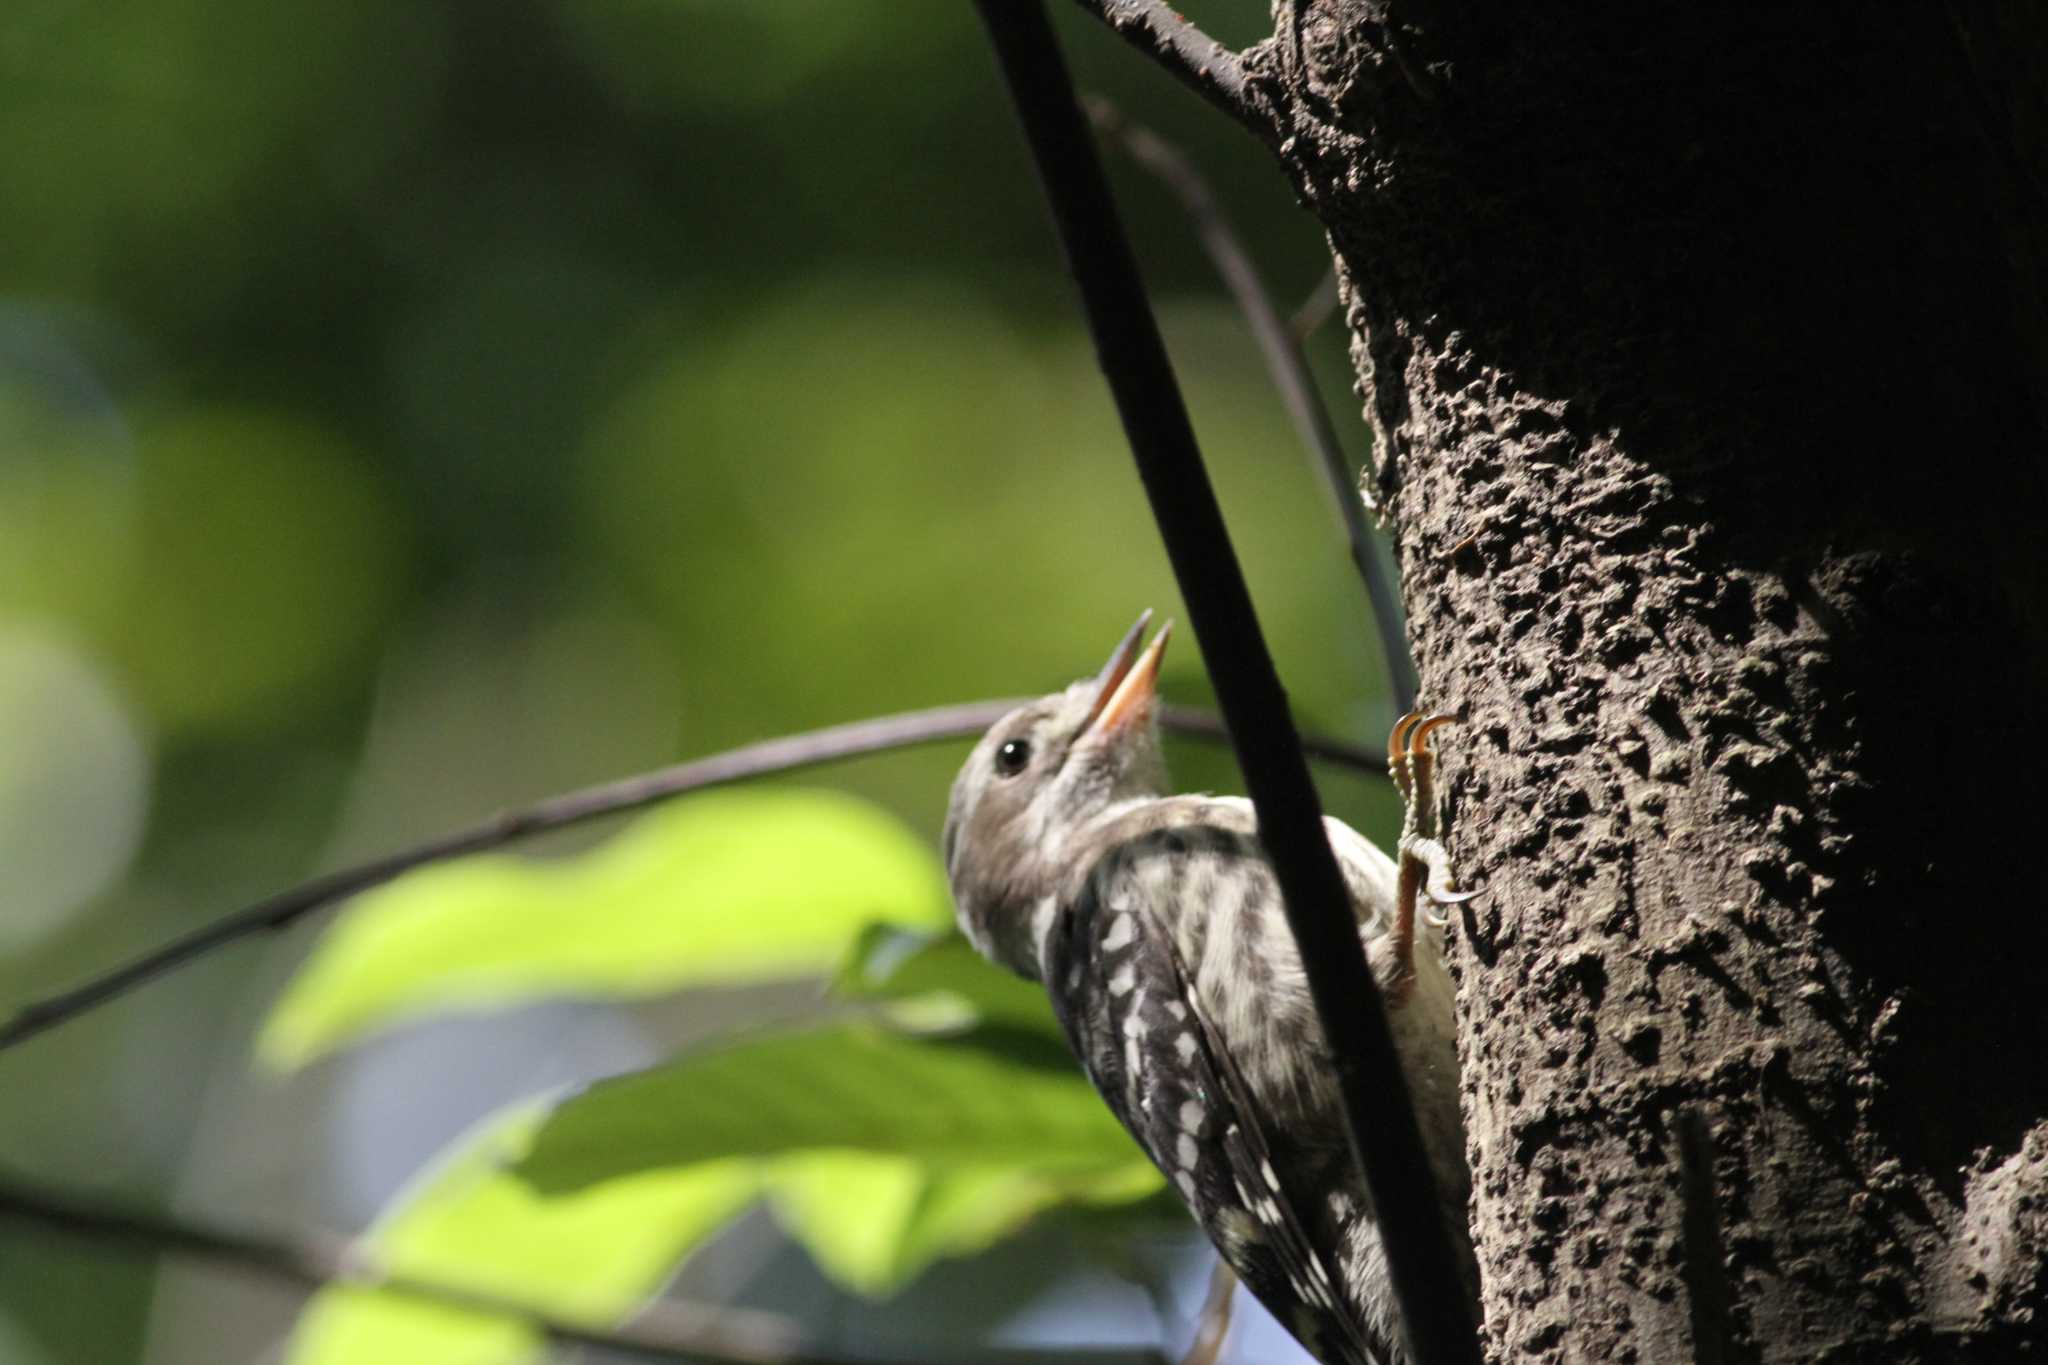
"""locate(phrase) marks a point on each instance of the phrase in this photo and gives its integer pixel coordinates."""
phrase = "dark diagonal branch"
(1289, 370)
(694, 1332)
(1206, 66)
(786, 754)
(663, 1331)
(1378, 1111)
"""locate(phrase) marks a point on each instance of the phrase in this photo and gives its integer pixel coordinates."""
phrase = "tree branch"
(1201, 63)
(663, 1331)
(1378, 1112)
(1214, 1325)
(1188, 720)
(1288, 367)
(696, 1332)
(1315, 310)
(785, 754)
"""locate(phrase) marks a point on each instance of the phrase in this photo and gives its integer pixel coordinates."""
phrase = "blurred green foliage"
(881, 1142)
(411, 410)
(726, 888)
(591, 1257)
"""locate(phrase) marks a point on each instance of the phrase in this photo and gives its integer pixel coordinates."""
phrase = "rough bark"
(1704, 348)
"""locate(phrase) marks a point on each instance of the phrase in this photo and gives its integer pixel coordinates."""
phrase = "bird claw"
(1438, 885)
(1413, 768)
(1425, 865)
(1409, 761)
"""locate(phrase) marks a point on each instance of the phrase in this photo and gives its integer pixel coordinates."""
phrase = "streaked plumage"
(1155, 924)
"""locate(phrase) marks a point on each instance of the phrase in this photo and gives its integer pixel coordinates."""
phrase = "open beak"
(1125, 688)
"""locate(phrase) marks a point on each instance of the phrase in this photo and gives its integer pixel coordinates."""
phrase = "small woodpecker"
(1155, 924)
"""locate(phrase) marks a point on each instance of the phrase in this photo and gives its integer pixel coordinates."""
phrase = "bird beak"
(1125, 688)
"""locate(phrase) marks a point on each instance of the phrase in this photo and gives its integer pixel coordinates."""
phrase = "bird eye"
(1013, 757)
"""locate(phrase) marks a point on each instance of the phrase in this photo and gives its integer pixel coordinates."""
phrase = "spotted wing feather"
(1123, 995)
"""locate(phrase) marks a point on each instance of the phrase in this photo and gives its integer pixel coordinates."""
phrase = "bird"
(1154, 923)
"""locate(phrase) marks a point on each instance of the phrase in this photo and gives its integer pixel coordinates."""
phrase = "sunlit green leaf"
(880, 1152)
(851, 1210)
(989, 1095)
(874, 1222)
(591, 1257)
(730, 887)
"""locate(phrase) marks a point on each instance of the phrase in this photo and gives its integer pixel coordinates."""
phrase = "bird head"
(1040, 775)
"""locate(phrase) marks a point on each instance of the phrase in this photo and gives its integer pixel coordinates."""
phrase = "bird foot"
(1436, 881)
(1425, 865)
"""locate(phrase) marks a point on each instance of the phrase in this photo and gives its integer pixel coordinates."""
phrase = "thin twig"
(698, 1332)
(1315, 310)
(1288, 368)
(1205, 65)
(1187, 720)
(665, 1330)
(1214, 1325)
(610, 798)
(1424, 1271)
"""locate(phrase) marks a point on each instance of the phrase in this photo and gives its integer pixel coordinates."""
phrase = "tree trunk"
(1704, 350)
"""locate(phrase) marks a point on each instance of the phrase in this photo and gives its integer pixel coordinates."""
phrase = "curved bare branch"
(1287, 365)
(705, 1334)
(1203, 64)
(573, 808)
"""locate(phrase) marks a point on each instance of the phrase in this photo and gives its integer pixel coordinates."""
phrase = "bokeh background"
(409, 410)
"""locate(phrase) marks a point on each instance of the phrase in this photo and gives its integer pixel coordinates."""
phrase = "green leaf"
(873, 1223)
(892, 963)
(592, 1257)
(880, 1153)
(992, 1095)
(725, 888)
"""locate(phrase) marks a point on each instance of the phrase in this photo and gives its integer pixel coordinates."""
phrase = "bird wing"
(1129, 1009)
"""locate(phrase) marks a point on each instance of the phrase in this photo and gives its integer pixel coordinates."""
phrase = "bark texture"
(1705, 347)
